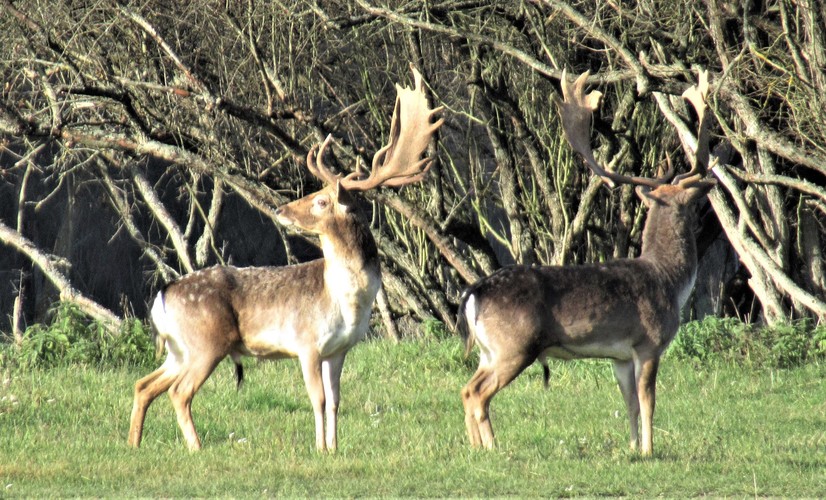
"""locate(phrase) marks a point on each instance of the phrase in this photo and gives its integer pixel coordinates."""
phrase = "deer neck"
(351, 262)
(668, 244)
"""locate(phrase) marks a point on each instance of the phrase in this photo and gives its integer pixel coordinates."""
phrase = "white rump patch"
(164, 319)
(479, 331)
(470, 309)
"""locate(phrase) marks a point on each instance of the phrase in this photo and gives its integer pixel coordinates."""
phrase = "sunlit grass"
(720, 429)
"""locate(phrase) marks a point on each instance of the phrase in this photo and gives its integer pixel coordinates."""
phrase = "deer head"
(396, 164)
(673, 200)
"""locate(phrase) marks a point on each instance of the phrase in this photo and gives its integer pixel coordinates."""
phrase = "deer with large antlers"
(315, 311)
(627, 310)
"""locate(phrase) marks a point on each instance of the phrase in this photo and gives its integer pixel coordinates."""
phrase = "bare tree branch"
(50, 265)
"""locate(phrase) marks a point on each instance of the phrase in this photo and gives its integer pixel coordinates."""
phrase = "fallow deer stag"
(627, 310)
(315, 311)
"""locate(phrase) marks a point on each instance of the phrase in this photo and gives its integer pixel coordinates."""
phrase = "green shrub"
(434, 329)
(728, 339)
(818, 342)
(72, 338)
(786, 346)
(701, 341)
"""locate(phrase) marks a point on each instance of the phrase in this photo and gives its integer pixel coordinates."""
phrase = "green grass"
(721, 429)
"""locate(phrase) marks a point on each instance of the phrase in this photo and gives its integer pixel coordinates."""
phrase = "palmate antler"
(399, 162)
(696, 95)
(576, 111)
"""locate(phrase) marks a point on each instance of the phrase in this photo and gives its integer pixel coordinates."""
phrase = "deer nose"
(279, 211)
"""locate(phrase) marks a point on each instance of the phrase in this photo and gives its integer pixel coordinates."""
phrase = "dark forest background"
(142, 140)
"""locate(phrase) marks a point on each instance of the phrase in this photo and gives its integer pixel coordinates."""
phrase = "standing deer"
(315, 311)
(627, 310)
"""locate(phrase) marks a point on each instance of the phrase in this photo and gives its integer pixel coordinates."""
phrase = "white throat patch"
(685, 292)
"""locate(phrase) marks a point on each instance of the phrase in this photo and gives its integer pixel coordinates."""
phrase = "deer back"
(614, 305)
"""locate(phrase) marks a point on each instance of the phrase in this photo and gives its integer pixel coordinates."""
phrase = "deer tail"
(239, 371)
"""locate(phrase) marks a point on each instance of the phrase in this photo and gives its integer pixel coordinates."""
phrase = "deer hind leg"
(478, 393)
(331, 376)
(627, 380)
(474, 411)
(646, 389)
(183, 390)
(147, 390)
(313, 379)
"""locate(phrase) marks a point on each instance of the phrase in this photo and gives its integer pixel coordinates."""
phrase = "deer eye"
(322, 202)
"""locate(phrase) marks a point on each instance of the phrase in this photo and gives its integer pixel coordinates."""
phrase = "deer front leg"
(331, 375)
(311, 368)
(646, 389)
(627, 381)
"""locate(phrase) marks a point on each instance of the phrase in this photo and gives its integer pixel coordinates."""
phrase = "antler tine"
(576, 111)
(320, 170)
(696, 95)
(398, 163)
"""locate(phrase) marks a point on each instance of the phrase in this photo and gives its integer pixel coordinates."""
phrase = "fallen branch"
(50, 266)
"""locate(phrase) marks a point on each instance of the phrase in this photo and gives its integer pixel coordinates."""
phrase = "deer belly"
(273, 343)
(619, 349)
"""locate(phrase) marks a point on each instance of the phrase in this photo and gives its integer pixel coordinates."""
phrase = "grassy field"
(720, 429)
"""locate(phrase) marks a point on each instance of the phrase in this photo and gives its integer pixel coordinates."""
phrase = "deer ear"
(344, 197)
(643, 192)
(700, 188)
